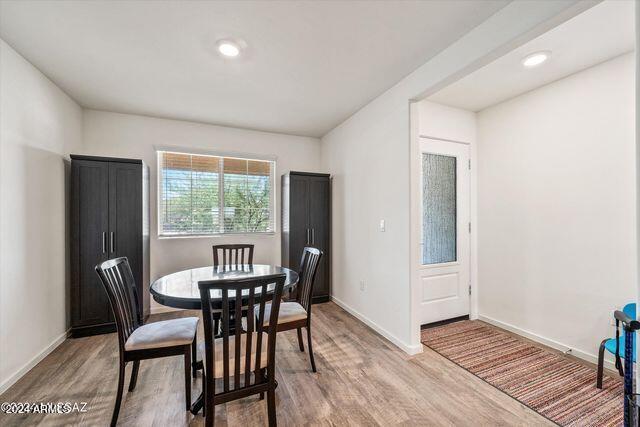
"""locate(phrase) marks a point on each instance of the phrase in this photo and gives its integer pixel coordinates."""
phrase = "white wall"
(556, 207)
(444, 122)
(369, 156)
(125, 135)
(39, 126)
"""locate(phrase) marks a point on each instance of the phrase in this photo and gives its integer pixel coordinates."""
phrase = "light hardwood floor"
(362, 379)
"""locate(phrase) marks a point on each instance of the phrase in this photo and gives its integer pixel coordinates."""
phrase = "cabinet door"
(298, 218)
(91, 212)
(319, 202)
(125, 216)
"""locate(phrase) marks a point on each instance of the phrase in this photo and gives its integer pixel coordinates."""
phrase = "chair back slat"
(260, 328)
(308, 268)
(232, 254)
(250, 295)
(225, 338)
(238, 329)
(250, 329)
(118, 282)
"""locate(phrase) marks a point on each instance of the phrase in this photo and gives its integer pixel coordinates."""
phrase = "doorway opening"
(551, 190)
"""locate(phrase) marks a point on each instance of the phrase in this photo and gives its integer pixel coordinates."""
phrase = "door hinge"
(469, 164)
(469, 227)
(469, 289)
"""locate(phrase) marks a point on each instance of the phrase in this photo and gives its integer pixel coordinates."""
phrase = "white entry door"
(444, 244)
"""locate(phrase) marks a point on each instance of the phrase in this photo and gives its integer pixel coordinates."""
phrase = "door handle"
(112, 243)
(104, 242)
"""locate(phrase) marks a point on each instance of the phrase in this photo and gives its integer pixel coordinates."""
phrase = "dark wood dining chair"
(232, 254)
(138, 342)
(247, 356)
(297, 314)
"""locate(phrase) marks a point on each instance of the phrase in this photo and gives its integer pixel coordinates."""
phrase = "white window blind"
(202, 195)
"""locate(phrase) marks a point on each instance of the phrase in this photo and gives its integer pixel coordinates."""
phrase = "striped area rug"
(555, 386)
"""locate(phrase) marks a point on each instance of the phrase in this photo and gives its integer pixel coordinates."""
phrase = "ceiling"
(307, 67)
(601, 33)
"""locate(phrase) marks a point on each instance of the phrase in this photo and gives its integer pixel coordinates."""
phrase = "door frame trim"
(415, 223)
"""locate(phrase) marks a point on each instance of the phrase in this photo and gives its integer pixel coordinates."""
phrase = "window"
(203, 195)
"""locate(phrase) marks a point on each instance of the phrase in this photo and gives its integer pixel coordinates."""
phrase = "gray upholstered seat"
(166, 333)
(289, 312)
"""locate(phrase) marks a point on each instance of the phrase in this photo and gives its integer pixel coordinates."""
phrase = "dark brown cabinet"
(109, 219)
(306, 221)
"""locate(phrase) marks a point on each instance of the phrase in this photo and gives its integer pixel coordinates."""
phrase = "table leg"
(232, 324)
(198, 404)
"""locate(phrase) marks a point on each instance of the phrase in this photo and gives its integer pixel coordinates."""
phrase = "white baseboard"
(33, 362)
(409, 349)
(548, 342)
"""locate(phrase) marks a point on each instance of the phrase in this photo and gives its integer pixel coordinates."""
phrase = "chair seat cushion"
(289, 312)
(610, 345)
(219, 353)
(167, 333)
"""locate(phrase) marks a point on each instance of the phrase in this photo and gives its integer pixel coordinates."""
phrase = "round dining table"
(180, 290)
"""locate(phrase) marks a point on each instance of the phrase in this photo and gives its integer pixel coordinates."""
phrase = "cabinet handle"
(112, 238)
(104, 242)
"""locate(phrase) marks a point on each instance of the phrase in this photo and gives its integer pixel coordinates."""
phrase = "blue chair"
(615, 346)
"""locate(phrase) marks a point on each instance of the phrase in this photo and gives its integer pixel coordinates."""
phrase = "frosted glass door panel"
(438, 209)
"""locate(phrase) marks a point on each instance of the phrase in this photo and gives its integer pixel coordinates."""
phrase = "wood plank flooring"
(362, 379)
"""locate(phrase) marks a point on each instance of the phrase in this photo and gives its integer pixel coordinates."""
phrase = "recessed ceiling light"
(228, 48)
(535, 59)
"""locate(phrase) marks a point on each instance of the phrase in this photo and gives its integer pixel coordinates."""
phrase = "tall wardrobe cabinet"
(306, 221)
(109, 219)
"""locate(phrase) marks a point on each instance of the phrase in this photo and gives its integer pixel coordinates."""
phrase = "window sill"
(215, 236)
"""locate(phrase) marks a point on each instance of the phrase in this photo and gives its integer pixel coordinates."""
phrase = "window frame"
(229, 155)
